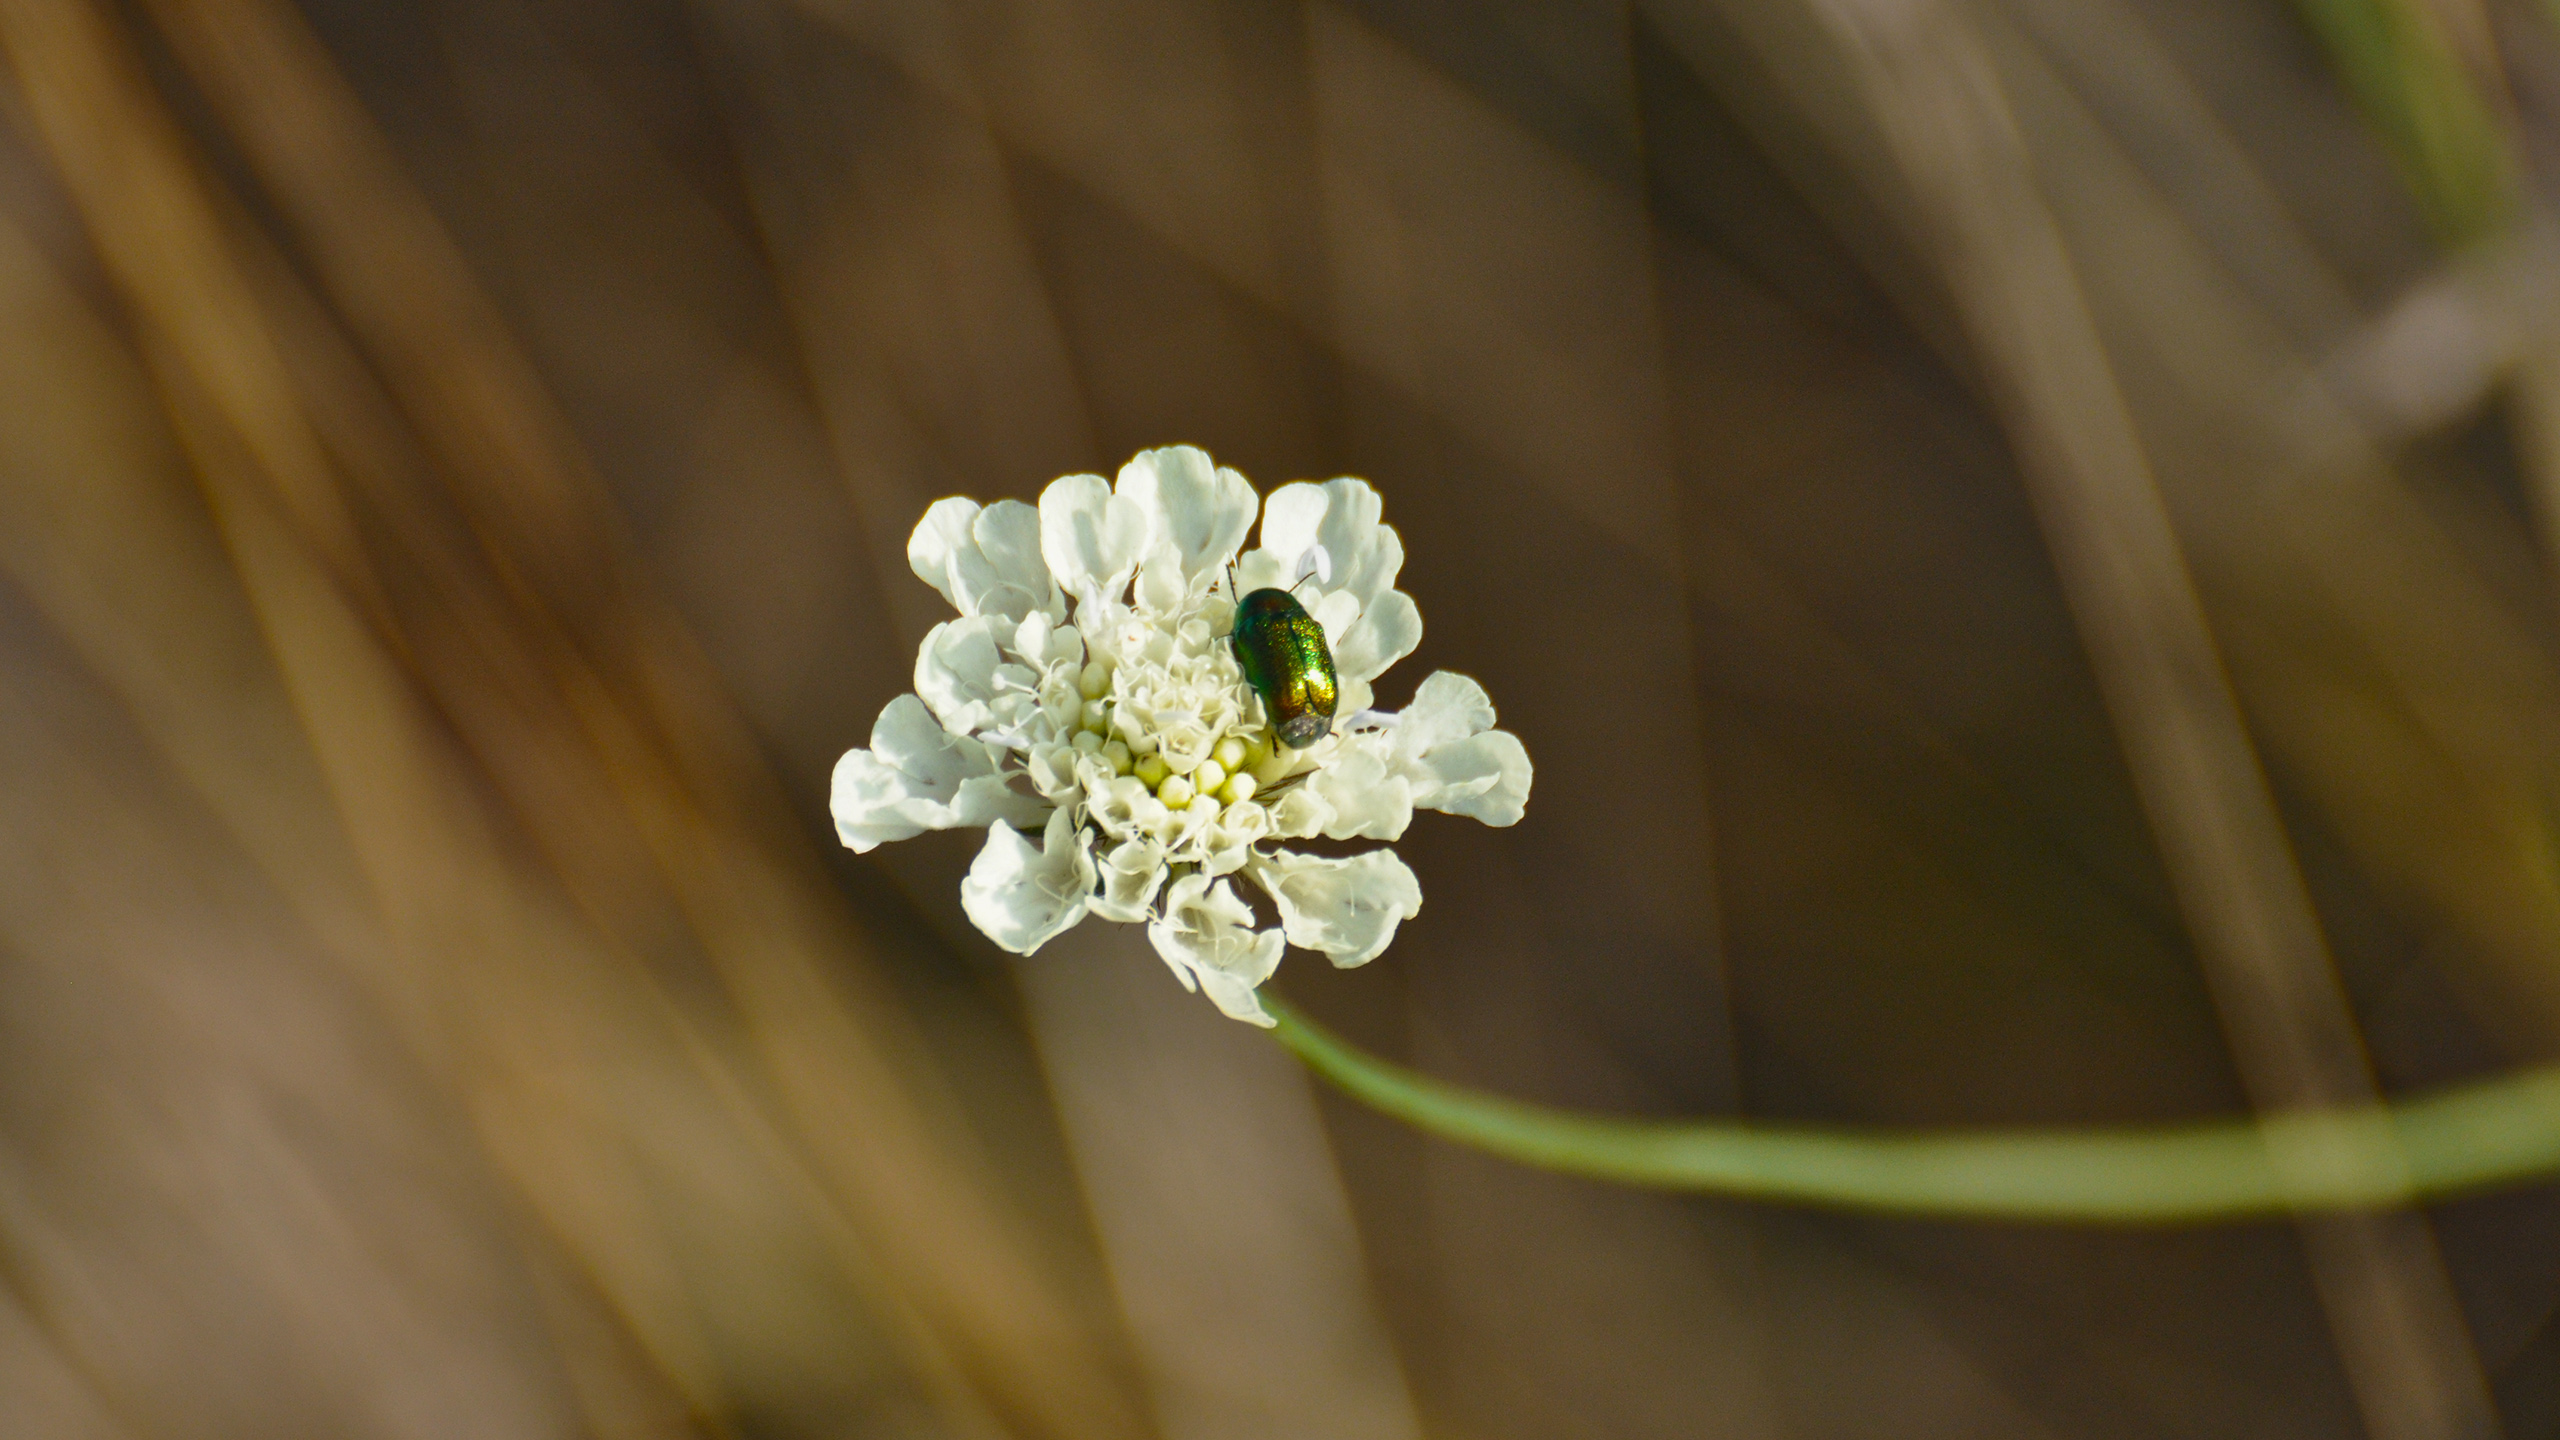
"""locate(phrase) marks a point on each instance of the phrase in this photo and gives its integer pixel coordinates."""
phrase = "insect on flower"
(1281, 651)
(1134, 740)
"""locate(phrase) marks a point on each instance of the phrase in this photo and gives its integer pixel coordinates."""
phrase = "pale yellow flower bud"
(1230, 754)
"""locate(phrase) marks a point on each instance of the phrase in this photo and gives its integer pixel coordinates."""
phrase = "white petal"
(1207, 939)
(1197, 510)
(873, 804)
(1367, 798)
(1234, 995)
(1131, 872)
(1042, 642)
(1301, 813)
(1090, 537)
(1125, 807)
(1336, 610)
(916, 777)
(986, 799)
(1230, 838)
(1347, 908)
(1485, 777)
(961, 672)
(1341, 516)
(1378, 566)
(1052, 771)
(1352, 695)
(1446, 706)
(1163, 583)
(1291, 516)
(1263, 570)
(1022, 898)
(907, 737)
(1002, 573)
(1458, 763)
(938, 537)
(1175, 829)
(984, 561)
(1385, 633)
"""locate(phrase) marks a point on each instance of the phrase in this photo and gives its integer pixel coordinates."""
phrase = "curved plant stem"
(2473, 1137)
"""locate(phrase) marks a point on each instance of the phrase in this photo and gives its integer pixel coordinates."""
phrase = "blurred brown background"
(455, 465)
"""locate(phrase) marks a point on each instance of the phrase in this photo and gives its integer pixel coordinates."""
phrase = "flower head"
(1087, 708)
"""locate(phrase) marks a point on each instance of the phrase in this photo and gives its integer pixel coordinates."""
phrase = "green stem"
(2472, 1137)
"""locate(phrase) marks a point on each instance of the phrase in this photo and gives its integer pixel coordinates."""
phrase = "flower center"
(1172, 746)
(1188, 733)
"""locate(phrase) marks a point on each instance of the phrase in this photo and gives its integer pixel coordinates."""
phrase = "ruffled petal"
(1336, 610)
(1300, 813)
(1341, 516)
(1206, 936)
(1053, 771)
(1484, 777)
(1125, 808)
(985, 561)
(1348, 908)
(962, 674)
(917, 776)
(1022, 898)
(1366, 796)
(1044, 643)
(1386, 632)
(1231, 836)
(1132, 871)
(1005, 576)
(1291, 515)
(1332, 531)
(1163, 583)
(1260, 569)
(1444, 742)
(1446, 706)
(1091, 538)
(938, 537)
(1196, 514)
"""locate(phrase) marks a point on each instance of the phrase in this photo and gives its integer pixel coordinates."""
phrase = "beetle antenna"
(1303, 579)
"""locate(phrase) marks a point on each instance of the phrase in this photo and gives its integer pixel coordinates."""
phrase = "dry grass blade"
(1937, 98)
(600, 735)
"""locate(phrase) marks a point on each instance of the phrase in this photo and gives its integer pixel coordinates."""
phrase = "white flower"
(1088, 694)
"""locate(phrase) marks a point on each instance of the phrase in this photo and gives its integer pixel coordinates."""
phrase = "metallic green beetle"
(1281, 650)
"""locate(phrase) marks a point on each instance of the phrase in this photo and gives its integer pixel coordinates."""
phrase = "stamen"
(1318, 562)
